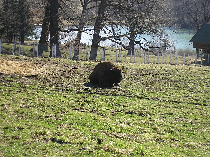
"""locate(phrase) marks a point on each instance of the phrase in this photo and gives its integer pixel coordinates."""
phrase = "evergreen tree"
(15, 20)
(23, 15)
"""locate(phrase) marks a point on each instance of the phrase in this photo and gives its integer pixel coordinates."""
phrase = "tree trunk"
(131, 43)
(79, 34)
(98, 26)
(43, 46)
(54, 5)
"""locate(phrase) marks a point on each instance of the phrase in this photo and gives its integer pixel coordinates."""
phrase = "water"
(178, 37)
(181, 38)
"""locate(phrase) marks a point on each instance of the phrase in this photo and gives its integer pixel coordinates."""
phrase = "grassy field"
(49, 108)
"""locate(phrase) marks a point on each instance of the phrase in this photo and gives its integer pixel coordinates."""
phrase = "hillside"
(49, 108)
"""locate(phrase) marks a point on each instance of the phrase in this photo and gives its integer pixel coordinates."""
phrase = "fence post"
(158, 58)
(53, 50)
(144, 57)
(86, 52)
(120, 55)
(197, 54)
(103, 54)
(196, 58)
(0, 45)
(148, 57)
(170, 58)
(37, 52)
(176, 58)
(131, 55)
(116, 55)
(14, 48)
(134, 53)
(70, 51)
(201, 59)
(188, 58)
(19, 48)
(34, 49)
(208, 58)
(162, 58)
(184, 58)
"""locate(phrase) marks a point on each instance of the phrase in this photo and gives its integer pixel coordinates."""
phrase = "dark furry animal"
(106, 74)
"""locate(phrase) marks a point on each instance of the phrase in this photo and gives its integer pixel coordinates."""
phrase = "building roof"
(203, 35)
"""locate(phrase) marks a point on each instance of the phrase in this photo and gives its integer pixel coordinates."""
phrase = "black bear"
(106, 74)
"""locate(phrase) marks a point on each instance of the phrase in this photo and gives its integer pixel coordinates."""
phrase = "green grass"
(158, 110)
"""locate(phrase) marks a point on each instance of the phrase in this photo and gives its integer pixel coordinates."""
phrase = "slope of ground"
(49, 108)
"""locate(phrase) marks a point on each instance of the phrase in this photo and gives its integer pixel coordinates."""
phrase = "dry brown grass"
(19, 67)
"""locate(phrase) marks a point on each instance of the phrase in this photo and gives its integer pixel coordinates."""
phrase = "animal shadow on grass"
(92, 85)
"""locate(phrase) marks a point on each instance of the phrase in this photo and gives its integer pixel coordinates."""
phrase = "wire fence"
(110, 54)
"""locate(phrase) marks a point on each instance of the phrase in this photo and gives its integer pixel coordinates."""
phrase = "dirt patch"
(19, 67)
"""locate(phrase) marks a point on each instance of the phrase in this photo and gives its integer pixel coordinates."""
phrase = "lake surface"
(178, 37)
(181, 38)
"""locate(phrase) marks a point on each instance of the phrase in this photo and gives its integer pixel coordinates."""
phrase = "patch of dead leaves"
(19, 67)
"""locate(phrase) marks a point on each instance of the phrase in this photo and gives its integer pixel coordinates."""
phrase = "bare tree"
(51, 21)
(137, 16)
(82, 21)
(193, 12)
(54, 29)
(145, 17)
(43, 45)
(76, 15)
(99, 24)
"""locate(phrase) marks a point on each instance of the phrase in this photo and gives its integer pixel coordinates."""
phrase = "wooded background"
(18, 17)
